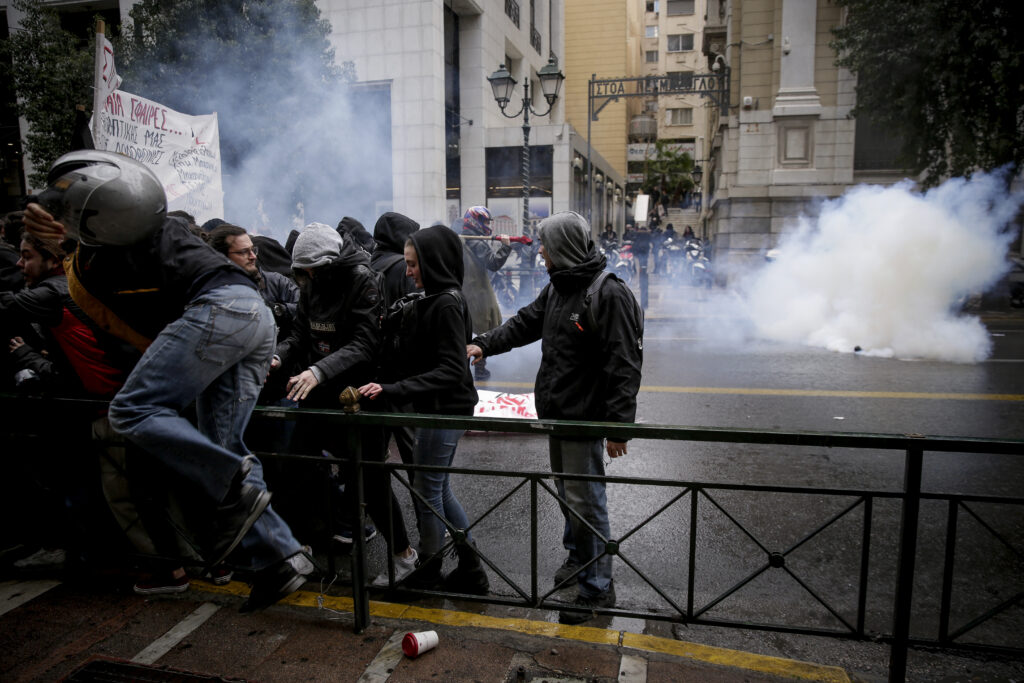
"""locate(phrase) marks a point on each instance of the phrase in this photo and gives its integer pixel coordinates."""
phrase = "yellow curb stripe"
(777, 666)
(835, 393)
(704, 653)
(809, 393)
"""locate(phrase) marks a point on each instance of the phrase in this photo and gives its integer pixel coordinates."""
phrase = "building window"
(679, 7)
(652, 56)
(875, 147)
(652, 5)
(679, 117)
(512, 11)
(680, 42)
(680, 79)
(651, 32)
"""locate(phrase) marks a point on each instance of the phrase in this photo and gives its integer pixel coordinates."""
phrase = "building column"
(797, 95)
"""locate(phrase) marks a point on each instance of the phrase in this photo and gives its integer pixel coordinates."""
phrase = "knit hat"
(566, 239)
(316, 245)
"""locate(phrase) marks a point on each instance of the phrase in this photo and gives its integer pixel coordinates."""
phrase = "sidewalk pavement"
(57, 631)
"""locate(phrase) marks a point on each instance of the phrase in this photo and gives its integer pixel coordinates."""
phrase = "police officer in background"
(480, 261)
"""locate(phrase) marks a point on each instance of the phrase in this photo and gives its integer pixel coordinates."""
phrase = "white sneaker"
(42, 559)
(403, 567)
(300, 561)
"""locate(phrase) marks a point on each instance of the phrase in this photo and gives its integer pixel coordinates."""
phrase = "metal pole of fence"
(865, 557)
(360, 597)
(692, 560)
(905, 567)
(533, 540)
(947, 572)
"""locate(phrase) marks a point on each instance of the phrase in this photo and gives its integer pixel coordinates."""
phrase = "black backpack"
(398, 330)
(592, 296)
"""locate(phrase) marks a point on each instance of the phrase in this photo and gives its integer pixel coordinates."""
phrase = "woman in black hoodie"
(436, 380)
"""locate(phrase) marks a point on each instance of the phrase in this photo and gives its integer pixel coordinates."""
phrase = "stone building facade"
(788, 139)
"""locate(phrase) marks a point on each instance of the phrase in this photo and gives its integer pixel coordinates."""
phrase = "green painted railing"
(24, 416)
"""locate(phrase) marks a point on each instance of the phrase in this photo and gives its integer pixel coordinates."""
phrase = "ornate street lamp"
(502, 84)
(698, 175)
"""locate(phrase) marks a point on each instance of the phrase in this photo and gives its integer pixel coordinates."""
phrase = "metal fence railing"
(859, 526)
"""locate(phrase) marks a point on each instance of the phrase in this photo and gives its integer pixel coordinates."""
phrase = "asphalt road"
(695, 381)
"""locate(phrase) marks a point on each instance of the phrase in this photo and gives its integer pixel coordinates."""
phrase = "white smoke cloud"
(886, 269)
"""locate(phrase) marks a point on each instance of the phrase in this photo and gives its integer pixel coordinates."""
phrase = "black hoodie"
(439, 380)
(390, 233)
(337, 327)
(584, 374)
(350, 228)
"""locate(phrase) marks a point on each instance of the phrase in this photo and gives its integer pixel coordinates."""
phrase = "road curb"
(706, 654)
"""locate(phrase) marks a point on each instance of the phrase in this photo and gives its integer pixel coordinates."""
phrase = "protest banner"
(183, 151)
(500, 404)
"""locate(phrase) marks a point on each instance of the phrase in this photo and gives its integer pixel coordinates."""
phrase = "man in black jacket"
(585, 374)
(336, 337)
(206, 335)
(279, 291)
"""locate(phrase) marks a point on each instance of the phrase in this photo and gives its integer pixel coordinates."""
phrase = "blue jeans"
(216, 354)
(436, 447)
(587, 499)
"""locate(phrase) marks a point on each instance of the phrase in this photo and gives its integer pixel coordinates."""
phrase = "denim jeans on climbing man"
(216, 354)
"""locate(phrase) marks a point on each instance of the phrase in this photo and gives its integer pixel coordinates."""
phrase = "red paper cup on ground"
(415, 644)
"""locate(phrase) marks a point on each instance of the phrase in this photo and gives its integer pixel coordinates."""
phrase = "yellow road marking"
(944, 396)
(816, 393)
(704, 653)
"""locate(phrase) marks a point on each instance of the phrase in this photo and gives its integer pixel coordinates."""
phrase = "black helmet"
(103, 198)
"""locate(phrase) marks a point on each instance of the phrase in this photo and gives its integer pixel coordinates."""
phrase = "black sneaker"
(604, 600)
(237, 513)
(346, 537)
(568, 569)
(279, 581)
(426, 577)
(468, 580)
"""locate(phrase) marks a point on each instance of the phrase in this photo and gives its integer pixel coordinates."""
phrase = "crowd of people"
(184, 329)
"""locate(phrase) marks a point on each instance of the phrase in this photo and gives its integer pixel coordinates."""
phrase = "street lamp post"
(698, 175)
(502, 84)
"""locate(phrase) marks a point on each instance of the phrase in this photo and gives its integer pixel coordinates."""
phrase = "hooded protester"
(336, 331)
(390, 234)
(336, 335)
(272, 257)
(589, 371)
(437, 382)
(388, 258)
(289, 243)
(352, 229)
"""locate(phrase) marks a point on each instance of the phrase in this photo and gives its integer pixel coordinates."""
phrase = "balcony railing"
(512, 11)
(535, 39)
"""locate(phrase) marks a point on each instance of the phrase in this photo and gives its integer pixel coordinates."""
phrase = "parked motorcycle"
(623, 264)
(697, 264)
(674, 259)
